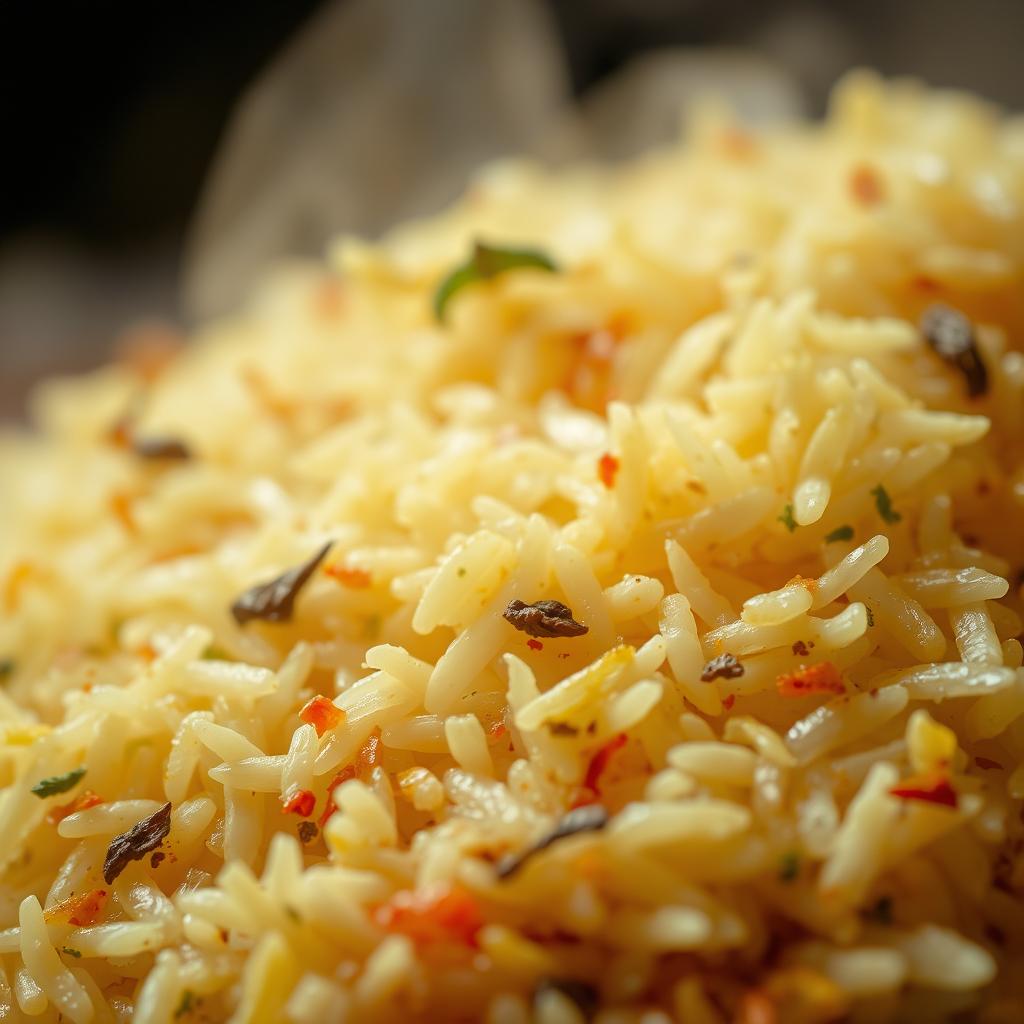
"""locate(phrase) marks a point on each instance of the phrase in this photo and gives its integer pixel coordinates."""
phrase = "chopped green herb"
(76, 953)
(787, 519)
(881, 912)
(461, 571)
(58, 783)
(186, 1004)
(215, 653)
(293, 914)
(7, 667)
(487, 261)
(871, 618)
(839, 533)
(884, 505)
(789, 866)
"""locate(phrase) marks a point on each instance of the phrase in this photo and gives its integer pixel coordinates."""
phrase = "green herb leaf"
(884, 505)
(787, 519)
(185, 1006)
(789, 866)
(839, 533)
(58, 783)
(486, 262)
(76, 953)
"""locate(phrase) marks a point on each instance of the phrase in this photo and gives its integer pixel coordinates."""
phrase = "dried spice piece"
(789, 866)
(987, 764)
(301, 802)
(800, 649)
(322, 713)
(786, 518)
(307, 832)
(933, 788)
(162, 449)
(140, 839)
(274, 601)
(823, 677)
(590, 818)
(879, 912)
(437, 914)
(76, 953)
(58, 783)
(80, 803)
(839, 533)
(607, 469)
(725, 666)
(543, 618)
(884, 504)
(486, 261)
(951, 336)
(157, 859)
(582, 994)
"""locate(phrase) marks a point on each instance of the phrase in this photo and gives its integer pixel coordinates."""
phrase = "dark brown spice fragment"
(161, 448)
(725, 666)
(140, 839)
(800, 649)
(157, 859)
(543, 618)
(307, 831)
(589, 818)
(583, 994)
(562, 729)
(274, 601)
(951, 335)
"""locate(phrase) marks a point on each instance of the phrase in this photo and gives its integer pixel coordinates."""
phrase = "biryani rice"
(715, 428)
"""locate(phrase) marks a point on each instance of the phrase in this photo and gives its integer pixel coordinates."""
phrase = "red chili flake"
(534, 645)
(607, 469)
(301, 802)
(987, 764)
(496, 732)
(346, 773)
(866, 185)
(933, 788)
(86, 799)
(80, 911)
(365, 761)
(323, 714)
(924, 283)
(589, 791)
(355, 579)
(821, 678)
(442, 913)
(727, 702)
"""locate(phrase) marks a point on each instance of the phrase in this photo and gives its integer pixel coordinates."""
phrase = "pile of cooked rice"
(617, 620)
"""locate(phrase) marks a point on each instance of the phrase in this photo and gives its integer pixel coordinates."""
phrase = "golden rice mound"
(285, 735)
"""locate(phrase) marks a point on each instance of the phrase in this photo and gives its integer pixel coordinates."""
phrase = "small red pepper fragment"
(866, 185)
(590, 791)
(356, 579)
(534, 645)
(496, 731)
(80, 911)
(727, 702)
(933, 788)
(346, 773)
(82, 802)
(823, 677)
(323, 714)
(364, 763)
(607, 469)
(441, 913)
(301, 802)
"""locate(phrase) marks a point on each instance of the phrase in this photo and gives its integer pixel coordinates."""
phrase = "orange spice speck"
(441, 913)
(496, 731)
(301, 802)
(121, 506)
(356, 579)
(823, 677)
(322, 714)
(82, 802)
(607, 469)
(866, 185)
(534, 645)
(80, 911)
(727, 702)
(756, 1007)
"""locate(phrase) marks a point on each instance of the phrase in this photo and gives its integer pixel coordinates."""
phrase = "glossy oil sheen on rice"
(779, 776)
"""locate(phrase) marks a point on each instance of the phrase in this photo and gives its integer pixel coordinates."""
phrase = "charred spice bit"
(439, 913)
(933, 788)
(486, 261)
(562, 729)
(583, 995)
(800, 649)
(607, 469)
(80, 803)
(157, 859)
(839, 533)
(58, 783)
(879, 912)
(534, 645)
(307, 832)
(987, 764)
(322, 713)
(725, 666)
(821, 678)
(789, 866)
(884, 505)
(543, 618)
(76, 953)
(7, 667)
(786, 518)
(870, 615)
(161, 449)
(301, 802)
(951, 336)
(274, 601)
(140, 839)
(591, 818)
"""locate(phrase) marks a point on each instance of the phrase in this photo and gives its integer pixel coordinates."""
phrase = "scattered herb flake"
(951, 336)
(839, 533)
(787, 519)
(543, 618)
(582, 994)
(161, 449)
(590, 818)
(142, 838)
(725, 666)
(884, 505)
(76, 953)
(274, 601)
(58, 783)
(185, 1005)
(789, 866)
(486, 261)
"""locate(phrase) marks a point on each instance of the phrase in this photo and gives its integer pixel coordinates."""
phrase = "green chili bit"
(789, 866)
(487, 261)
(839, 533)
(58, 783)
(884, 505)
(787, 519)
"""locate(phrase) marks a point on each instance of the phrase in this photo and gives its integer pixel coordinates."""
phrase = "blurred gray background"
(111, 114)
